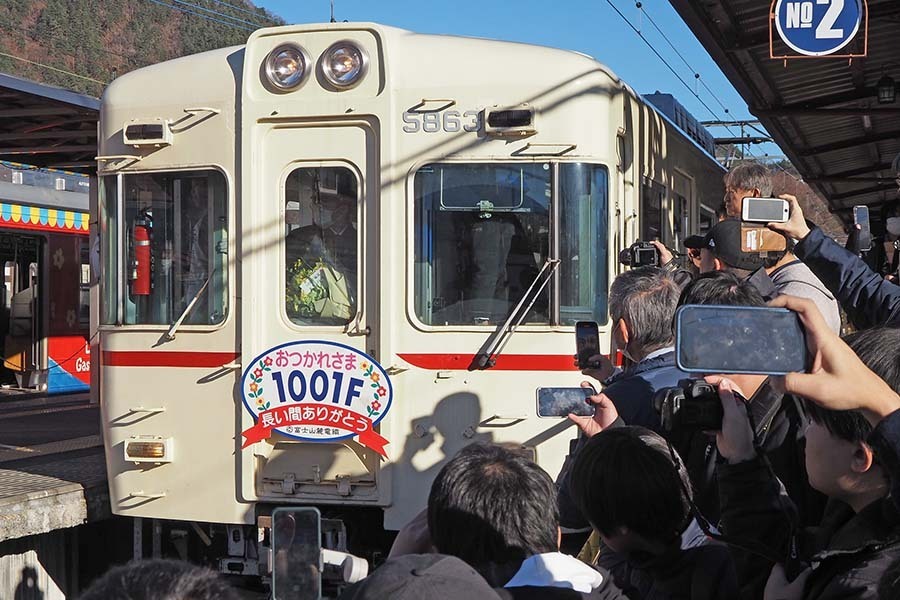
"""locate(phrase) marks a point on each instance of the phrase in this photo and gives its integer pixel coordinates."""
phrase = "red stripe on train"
(167, 359)
(505, 362)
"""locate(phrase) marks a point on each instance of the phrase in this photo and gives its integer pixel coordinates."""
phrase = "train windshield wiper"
(170, 334)
(487, 355)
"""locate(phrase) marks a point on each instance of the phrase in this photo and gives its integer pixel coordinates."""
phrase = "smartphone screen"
(861, 218)
(587, 342)
(560, 402)
(765, 210)
(739, 339)
(296, 554)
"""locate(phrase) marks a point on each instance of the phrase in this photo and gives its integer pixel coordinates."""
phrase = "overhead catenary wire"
(57, 69)
(663, 60)
(220, 14)
(671, 68)
(683, 59)
(202, 16)
(29, 34)
(237, 8)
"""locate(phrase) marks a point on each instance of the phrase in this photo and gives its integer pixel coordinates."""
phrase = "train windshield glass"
(321, 245)
(172, 240)
(483, 232)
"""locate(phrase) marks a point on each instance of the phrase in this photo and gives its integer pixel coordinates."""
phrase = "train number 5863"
(448, 121)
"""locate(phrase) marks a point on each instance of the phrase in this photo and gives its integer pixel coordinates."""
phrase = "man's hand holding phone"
(605, 414)
(795, 227)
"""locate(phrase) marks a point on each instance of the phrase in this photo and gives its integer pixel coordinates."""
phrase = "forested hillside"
(84, 44)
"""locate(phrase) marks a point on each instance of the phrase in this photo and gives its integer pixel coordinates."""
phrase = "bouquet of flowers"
(306, 288)
(317, 292)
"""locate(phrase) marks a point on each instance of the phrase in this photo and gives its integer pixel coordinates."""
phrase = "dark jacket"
(867, 298)
(704, 572)
(885, 439)
(849, 551)
(632, 390)
(780, 424)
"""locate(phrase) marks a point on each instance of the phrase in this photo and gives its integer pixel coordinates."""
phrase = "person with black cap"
(777, 273)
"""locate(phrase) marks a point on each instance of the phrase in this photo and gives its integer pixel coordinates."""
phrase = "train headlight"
(344, 64)
(287, 66)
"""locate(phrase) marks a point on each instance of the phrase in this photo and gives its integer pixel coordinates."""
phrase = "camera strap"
(749, 546)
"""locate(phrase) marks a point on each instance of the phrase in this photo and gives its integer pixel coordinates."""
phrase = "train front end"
(337, 255)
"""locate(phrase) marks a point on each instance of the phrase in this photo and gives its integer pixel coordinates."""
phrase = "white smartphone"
(765, 210)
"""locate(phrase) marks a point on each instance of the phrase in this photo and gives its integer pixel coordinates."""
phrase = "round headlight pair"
(343, 65)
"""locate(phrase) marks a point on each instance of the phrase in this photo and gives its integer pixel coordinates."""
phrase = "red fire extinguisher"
(140, 274)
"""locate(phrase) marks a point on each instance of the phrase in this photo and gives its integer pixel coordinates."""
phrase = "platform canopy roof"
(47, 126)
(823, 112)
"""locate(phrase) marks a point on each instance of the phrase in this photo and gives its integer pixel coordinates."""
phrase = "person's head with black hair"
(627, 484)
(839, 461)
(160, 580)
(492, 506)
(723, 288)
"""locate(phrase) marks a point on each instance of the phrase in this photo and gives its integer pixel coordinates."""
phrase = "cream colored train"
(472, 197)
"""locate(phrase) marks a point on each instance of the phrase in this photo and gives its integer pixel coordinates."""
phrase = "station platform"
(52, 469)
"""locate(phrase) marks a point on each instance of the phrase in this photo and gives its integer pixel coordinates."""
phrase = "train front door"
(306, 231)
(21, 313)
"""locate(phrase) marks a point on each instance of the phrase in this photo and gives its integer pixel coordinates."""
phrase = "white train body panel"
(382, 133)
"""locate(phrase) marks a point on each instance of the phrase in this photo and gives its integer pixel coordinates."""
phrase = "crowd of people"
(796, 496)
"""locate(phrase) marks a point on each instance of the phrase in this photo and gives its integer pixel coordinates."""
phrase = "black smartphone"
(560, 402)
(296, 553)
(861, 218)
(739, 339)
(587, 342)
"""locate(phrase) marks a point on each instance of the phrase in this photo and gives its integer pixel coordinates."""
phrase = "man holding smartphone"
(868, 299)
(642, 304)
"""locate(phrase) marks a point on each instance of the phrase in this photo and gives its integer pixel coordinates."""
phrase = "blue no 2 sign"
(818, 27)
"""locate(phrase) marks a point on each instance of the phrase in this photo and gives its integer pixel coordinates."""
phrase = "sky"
(589, 26)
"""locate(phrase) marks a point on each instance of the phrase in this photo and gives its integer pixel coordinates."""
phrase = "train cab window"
(583, 231)
(168, 252)
(483, 234)
(321, 245)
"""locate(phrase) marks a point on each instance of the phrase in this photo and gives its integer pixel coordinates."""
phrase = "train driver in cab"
(321, 260)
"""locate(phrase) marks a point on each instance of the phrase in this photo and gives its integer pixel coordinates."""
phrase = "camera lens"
(625, 256)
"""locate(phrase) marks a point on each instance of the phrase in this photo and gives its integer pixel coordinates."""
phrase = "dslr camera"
(693, 404)
(640, 254)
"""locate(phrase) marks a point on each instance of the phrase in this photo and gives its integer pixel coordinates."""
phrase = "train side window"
(321, 245)
(651, 210)
(583, 241)
(707, 218)
(175, 248)
(482, 233)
